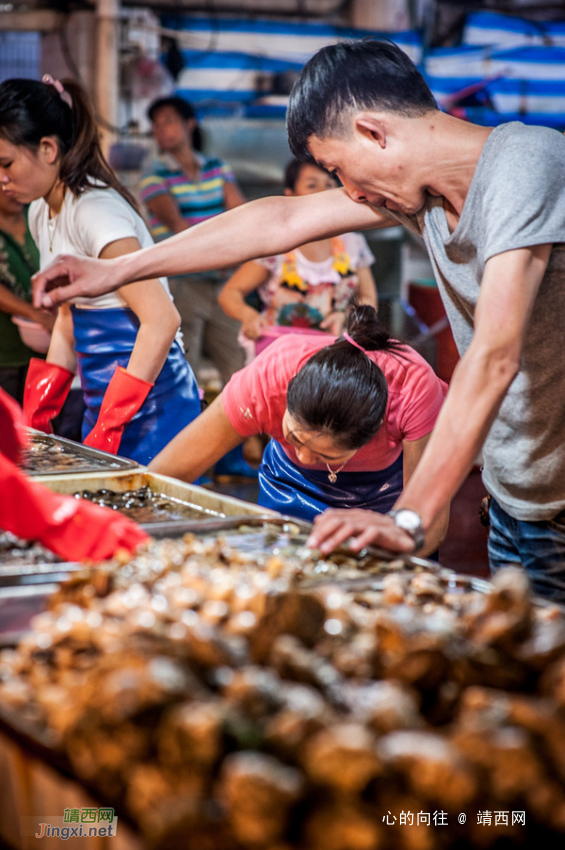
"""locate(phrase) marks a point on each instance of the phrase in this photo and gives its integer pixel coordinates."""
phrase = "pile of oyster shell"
(220, 705)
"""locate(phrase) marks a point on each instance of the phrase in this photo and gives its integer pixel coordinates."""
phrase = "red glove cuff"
(123, 398)
(47, 387)
(14, 436)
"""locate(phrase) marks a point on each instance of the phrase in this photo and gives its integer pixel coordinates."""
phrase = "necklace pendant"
(333, 477)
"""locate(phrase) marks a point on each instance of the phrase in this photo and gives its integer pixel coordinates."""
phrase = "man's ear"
(371, 127)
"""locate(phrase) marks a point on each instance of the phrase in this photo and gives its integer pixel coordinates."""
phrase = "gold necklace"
(333, 474)
(51, 235)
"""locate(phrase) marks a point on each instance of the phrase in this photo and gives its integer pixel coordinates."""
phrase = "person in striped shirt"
(181, 188)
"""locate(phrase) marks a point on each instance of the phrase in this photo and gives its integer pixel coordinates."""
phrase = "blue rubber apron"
(304, 493)
(104, 340)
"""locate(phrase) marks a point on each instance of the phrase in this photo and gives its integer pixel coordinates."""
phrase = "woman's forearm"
(367, 288)
(152, 345)
(165, 208)
(198, 446)
(62, 346)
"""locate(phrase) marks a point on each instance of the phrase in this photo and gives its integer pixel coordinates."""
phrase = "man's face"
(170, 130)
(381, 175)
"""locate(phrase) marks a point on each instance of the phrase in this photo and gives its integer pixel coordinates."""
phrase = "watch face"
(408, 520)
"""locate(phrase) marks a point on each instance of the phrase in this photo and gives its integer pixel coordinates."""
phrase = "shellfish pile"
(220, 705)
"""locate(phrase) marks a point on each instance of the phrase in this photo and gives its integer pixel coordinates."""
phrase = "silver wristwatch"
(410, 522)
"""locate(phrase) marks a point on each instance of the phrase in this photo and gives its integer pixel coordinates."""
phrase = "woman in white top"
(311, 288)
(138, 388)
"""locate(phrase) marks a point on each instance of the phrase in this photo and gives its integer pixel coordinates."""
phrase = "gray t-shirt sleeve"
(523, 193)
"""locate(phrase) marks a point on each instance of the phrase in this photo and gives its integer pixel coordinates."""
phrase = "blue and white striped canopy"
(505, 67)
(229, 63)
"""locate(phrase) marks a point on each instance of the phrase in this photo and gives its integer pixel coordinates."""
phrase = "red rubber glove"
(14, 437)
(123, 398)
(47, 387)
(73, 528)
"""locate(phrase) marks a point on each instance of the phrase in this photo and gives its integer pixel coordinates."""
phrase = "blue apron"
(304, 493)
(104, 340)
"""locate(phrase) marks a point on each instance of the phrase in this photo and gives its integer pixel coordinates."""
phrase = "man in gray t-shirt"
(516, 199)
(490, 205)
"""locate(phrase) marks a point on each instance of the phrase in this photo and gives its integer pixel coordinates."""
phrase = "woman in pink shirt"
(348, 421)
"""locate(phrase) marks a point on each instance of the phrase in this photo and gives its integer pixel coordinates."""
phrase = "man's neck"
(457, 148)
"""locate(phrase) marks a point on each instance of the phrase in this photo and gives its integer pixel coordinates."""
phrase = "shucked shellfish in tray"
(51, 455)
(255, 539)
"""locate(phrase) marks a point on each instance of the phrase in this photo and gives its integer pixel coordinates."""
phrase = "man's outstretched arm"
(258, 229)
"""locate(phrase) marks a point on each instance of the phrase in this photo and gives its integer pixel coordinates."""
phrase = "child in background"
(311, 288)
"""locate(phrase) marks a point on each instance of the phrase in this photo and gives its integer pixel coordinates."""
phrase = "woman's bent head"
(340, 394)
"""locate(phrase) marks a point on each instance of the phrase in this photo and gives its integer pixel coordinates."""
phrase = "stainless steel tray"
(215, 509)
(253, 533)
(19, 575)
(209, 504)
(86, 458)
(18, 605)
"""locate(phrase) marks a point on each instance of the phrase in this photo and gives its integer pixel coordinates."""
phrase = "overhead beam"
(36, 20)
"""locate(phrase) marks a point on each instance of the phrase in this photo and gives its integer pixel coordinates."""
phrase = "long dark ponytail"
(339, 390)
(30, 110)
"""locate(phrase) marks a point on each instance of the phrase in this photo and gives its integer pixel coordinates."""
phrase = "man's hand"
(361, 528)
(69, 277)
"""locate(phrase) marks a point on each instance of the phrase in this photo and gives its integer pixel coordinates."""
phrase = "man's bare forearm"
(481, 379)
(260, 228)
(477, 390)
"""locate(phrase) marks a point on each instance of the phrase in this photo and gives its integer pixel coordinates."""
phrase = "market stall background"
(468, 666)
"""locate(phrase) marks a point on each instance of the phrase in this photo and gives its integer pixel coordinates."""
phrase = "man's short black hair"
(353, 76)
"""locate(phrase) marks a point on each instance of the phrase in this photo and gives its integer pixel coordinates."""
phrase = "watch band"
(410, 522)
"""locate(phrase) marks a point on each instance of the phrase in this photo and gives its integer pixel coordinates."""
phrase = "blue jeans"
(538, 546)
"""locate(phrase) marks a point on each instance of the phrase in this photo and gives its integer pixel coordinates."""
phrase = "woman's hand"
(254, 325)
(334, 322)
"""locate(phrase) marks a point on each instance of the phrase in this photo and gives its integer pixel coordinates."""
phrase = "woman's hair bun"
(364, 326)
